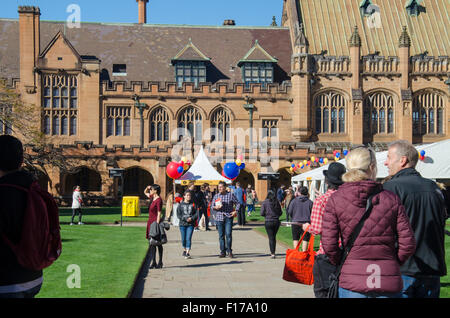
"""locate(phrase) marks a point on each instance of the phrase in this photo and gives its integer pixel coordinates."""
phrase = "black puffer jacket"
(12, 209)
(424, 206)
(186, 211)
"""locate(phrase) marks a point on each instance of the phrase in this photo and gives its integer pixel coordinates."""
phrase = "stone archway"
(285, 178)
(88, 179)
(245, 178)
(135, 181)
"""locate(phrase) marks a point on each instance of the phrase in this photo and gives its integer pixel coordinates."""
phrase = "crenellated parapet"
(430, 65)
(162, 90)
(374, 64)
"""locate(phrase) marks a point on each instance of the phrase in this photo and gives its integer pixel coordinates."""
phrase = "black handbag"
(333, 292)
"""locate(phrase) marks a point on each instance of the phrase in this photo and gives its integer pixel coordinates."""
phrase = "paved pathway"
(251, 274)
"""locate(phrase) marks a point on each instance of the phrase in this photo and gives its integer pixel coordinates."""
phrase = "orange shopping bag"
(298, 267)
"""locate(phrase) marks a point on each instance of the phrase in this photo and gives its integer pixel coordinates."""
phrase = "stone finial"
(274, 22)
(405, 40)
(355, 40)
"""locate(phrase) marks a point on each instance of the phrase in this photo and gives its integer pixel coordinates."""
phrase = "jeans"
(31, 293)
(421, 287)
(225, 228)
(250, 208)
(186, 236)
(272, 228)
(345, 293)
(74, 212)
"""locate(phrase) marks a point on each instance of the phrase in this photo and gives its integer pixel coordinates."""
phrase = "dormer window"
(190, 65)
(119, 70)
(257, 73)
(257, 66)
(190, 72)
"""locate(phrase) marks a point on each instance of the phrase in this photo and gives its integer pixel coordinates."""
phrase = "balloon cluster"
(314, 160)
(231, 170)
(422, 155)
(176, 169)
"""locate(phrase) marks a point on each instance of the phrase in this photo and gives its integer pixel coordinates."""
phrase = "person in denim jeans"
(225, 204)
(188, 215)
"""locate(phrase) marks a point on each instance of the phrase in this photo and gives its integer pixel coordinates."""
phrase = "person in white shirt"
(77, 200)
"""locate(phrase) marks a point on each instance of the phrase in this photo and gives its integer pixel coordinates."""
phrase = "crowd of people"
(399, 251)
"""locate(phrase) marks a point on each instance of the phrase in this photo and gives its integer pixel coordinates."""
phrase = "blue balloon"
(231, 170)
(321, 160)
(338, 155)
(242, 166)
(345, 152)
(180, 169)
(422, 153)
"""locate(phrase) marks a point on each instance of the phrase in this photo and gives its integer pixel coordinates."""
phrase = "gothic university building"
(333, 74)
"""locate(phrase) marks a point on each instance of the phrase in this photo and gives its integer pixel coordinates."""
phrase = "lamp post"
(250, 107)
(141, 107)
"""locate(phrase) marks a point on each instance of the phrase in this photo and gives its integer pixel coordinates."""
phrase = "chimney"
(29, 39)
(229, 22)
(142, 11)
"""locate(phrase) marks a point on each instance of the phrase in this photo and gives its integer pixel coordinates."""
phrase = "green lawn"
(109, 259)
(101, 215)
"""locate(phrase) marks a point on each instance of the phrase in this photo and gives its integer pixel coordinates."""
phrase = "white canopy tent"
(435, 166)
(202, 172)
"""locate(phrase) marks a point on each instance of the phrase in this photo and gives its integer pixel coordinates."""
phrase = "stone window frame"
(220, 123)
(60, 104)
(190, 119)
(328, 103)
(379, 105)
(270, 125)
(427, 104)
(118, 121)
(159, 124)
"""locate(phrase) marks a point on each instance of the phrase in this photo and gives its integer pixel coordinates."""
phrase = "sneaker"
(188, 256)
(196, 230)
(184, 254)
(272, 256)
(71, 224)
(222, 256)
(230, 255)
(80, 223)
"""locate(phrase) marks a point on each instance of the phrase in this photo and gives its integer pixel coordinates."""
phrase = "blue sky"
(196, 12)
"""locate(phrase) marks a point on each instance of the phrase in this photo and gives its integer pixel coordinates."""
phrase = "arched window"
(330, 113)
(190, 123)
(159, 125)
(379, 113)
(428, 114)
(220, 125)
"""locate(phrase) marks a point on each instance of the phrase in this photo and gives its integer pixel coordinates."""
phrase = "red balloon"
(172, 170)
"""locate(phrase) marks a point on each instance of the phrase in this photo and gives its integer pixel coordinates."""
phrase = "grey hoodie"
(300, 209)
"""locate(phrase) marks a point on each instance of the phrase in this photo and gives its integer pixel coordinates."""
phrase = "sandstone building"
(336, 73)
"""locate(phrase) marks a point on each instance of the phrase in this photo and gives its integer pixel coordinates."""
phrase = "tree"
(19, 119)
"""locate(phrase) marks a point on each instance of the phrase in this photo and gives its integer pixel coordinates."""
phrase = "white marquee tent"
(435, 166)
(201, 172)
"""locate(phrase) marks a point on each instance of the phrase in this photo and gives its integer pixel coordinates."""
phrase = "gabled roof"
(329, 24)
(257, 54)
(190, 53)
(58, 36)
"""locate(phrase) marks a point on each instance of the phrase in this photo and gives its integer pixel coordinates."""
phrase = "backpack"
(40, 241)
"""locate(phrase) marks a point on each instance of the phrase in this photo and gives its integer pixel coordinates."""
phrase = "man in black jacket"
(424, 206)
(15, 281)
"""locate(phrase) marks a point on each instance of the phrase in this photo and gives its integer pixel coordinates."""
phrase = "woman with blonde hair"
(386, 240)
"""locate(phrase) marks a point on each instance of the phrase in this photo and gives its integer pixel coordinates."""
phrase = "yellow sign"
(201, 182)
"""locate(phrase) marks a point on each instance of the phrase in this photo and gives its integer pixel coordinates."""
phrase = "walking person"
(15, 280)
(250, 200)
(77, 201)
(225, 204)
(271, 211)
(300, 213)
(322, 267)
(188, 215)
(290, 195)
(425, 209)
(386, 240)
(154, 215)
(169, 206)
(239, 194)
